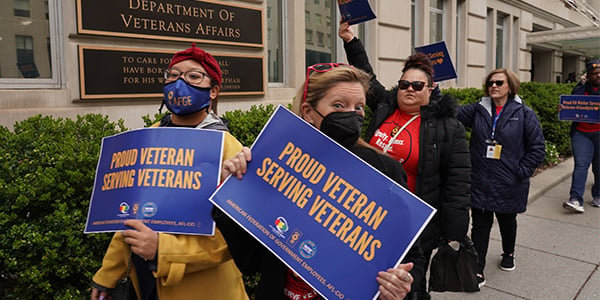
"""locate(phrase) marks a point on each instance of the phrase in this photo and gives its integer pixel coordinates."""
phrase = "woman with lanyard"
(413, 124)
(507, 145)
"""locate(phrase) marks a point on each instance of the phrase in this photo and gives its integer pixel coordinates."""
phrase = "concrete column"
(524, 57)
(490, 62)
(421, 22)
(557, 62)
(476, 36)
(462, 29)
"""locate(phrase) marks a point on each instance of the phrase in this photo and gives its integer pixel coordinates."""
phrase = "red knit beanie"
(204, 58)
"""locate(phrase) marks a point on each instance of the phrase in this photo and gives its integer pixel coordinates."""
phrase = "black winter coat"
(444, 168)
(503, 185)
(251, 256)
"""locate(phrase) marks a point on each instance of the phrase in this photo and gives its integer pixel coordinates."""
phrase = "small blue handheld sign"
(581, 108)
(443, 69)
(355, 11)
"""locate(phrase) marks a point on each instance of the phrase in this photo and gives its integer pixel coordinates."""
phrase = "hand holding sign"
(395, 283)
(143, 240)
(236, 165)
(346, 32)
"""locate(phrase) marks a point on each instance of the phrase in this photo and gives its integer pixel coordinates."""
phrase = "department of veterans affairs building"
(72, 57)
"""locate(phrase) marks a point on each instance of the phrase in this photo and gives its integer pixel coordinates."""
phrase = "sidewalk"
(557, 254)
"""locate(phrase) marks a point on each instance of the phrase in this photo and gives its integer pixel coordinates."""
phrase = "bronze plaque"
(109, 73)
(174, 20)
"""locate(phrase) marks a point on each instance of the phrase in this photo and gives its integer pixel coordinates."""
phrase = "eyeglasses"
(416, 85)
(319, 68)
(191, 76)
(497, 82)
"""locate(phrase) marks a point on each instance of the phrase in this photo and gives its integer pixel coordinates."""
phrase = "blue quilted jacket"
(503, 185)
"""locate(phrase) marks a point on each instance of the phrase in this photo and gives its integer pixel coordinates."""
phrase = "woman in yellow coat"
(176, 266)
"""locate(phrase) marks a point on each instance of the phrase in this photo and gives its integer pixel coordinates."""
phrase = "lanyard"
(389, 145)
(496, 122)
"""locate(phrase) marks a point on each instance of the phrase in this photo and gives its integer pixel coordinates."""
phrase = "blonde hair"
(511, 78)
(320, 82)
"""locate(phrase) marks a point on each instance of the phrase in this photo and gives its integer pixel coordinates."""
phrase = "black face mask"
(343, 127)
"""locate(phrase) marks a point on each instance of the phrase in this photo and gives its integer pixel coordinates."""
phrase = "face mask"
(342, 126)
(183, 99)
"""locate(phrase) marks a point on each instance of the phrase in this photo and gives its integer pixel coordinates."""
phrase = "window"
(436, 15)
(24, 47)
(500, 39)
(25, 59)
(309, 36)
(21, 8)
(29, 46)
(275, 35)
(318, 50)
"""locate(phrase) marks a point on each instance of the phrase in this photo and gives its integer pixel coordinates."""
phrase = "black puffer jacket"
(444, 168)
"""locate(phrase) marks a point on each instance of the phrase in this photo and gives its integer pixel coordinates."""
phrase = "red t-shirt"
(588, 127)
(405, 147)
(499, 109)
(296, 289)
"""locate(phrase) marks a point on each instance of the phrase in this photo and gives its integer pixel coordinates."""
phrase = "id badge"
(493, 150)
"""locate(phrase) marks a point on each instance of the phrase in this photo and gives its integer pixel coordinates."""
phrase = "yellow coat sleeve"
(114, 263)
(180, 254)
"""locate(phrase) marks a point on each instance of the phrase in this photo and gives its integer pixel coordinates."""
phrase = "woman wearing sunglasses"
(420, 131)
(507, 145)
(332, 100)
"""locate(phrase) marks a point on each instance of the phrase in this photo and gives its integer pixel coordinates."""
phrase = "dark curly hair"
(421, 62)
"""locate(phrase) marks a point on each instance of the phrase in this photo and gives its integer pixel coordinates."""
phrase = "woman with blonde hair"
(332, 99)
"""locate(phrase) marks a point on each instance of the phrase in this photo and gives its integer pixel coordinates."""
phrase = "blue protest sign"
(581, 108)
(355, 11)
(440, 59)
(330, 217)
(163, 176)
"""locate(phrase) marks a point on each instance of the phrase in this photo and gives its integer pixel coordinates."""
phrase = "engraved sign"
(109, 73)
(175, 20)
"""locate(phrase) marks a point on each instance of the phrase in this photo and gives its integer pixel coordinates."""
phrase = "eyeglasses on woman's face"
(416, 85)
(496, 82)
(193, 76)
(319, 68)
